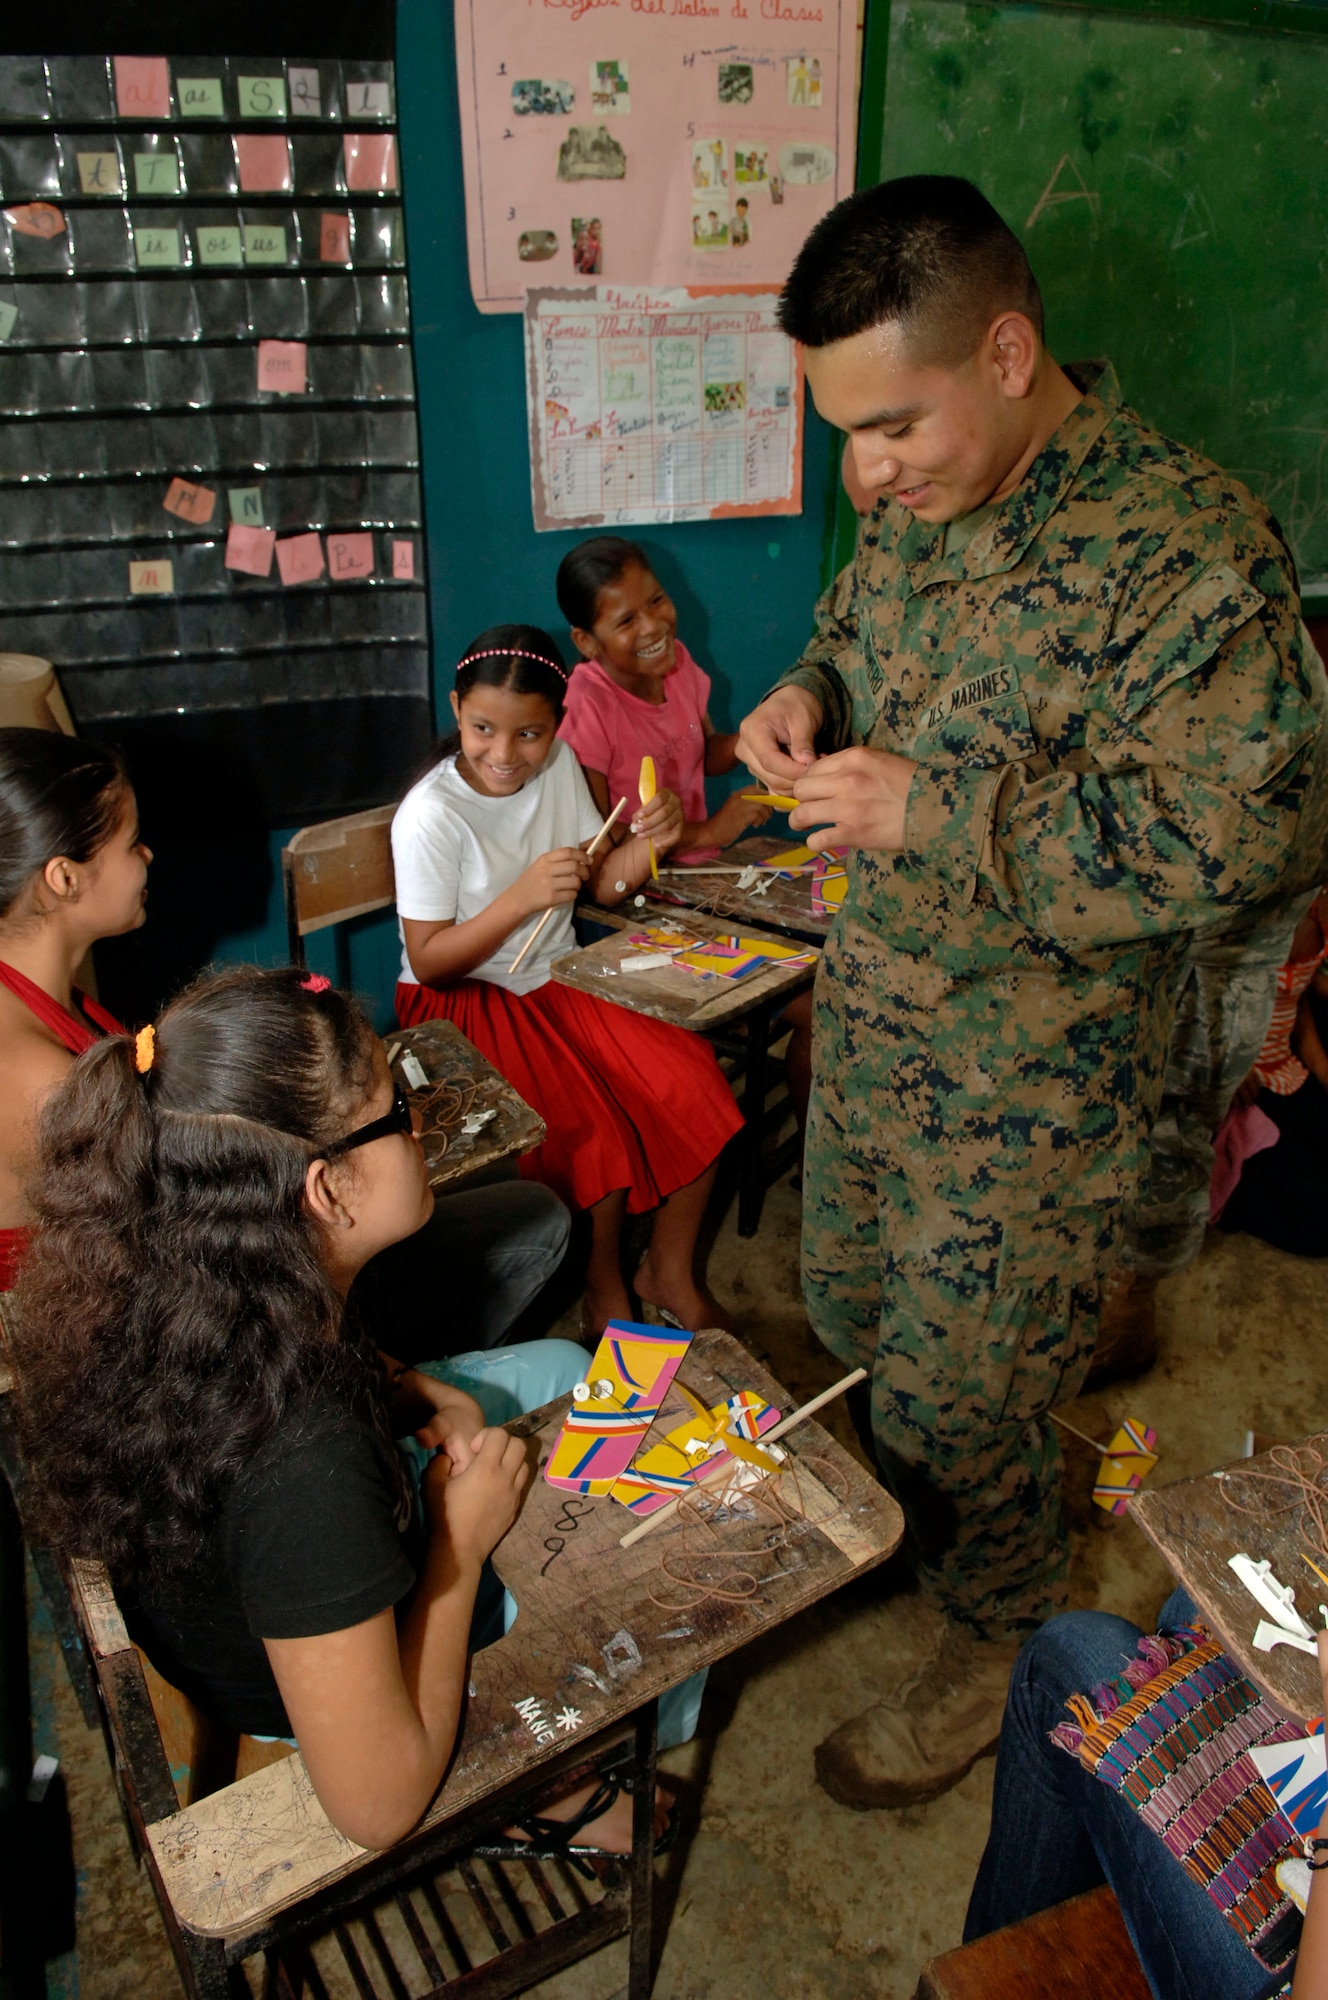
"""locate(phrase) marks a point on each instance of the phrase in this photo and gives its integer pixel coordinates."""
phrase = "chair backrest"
(336, 871)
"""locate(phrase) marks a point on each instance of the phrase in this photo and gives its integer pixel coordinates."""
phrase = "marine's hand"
(555, 878)
(777, 740)
(856, 798)
(475, 1508)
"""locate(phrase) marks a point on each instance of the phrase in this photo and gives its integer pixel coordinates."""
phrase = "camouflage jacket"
(1108, 698)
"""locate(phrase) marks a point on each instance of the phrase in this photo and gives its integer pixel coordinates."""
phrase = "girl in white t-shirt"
(637, 1112)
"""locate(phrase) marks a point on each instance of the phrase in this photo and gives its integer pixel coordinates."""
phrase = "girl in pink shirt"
(639, 693)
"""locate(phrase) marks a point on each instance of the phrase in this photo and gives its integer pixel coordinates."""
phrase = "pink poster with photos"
(650, 142)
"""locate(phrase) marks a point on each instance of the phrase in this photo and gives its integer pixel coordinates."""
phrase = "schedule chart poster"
(660, 142)
(673, 404)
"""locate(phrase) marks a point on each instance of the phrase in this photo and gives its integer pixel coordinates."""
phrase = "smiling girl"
(638, 692)
(636, 1112)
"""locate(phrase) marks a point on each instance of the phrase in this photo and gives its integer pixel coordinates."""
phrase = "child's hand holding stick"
(555, 906)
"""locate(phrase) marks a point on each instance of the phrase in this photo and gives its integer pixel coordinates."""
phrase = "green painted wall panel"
(1170, 184)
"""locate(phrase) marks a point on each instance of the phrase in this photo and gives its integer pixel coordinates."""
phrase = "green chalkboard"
(1170, 183)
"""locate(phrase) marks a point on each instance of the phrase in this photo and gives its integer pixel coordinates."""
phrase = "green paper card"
(157, 249)
(264, 243)
(199, 96)
(219, 246)
(262, 96)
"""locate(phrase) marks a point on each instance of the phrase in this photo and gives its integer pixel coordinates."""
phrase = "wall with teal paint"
(744, 589)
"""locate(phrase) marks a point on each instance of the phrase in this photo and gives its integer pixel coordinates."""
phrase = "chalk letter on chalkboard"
(143, 86)
(250, 549)
(281, 366)
(264, 162)
(151, 579)
(403, 561)
(349, 556)
(191, 503)
(1053, 195)
(371, 162)
(300, 558)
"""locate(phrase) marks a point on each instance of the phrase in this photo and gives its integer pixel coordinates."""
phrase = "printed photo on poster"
(536, 246)
(806, 165)
(710, 225)
(750, 163)
(710, 172)
(740, 228)
(591, 153)
(549, 96)
(804, 82)
(735, 83)
(587, 245)
(609, 91)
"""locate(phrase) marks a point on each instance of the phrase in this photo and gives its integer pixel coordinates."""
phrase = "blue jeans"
(463, 1279)
(505, 1382)
(1057, 1831)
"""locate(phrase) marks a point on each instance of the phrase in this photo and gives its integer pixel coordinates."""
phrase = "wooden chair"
(429, 1917)
(335, 871)
(1077, 1951)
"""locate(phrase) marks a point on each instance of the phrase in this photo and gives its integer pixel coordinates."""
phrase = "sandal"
(551, 1839)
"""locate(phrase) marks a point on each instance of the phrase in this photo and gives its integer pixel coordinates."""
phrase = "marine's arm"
(1182, 805)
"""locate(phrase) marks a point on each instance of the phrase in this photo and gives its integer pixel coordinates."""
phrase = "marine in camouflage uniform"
(1105, 685)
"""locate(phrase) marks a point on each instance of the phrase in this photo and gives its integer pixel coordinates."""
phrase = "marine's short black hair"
(928, 251)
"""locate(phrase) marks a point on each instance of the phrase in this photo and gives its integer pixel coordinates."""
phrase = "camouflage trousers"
(1222, 1015)
(973, 1326)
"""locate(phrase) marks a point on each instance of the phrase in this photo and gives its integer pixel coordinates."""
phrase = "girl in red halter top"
(72, 870)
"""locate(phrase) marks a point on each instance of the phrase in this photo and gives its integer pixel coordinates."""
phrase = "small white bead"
(621, 887)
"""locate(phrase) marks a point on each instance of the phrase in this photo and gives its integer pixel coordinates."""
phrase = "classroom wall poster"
(660, 142)
(668, 404)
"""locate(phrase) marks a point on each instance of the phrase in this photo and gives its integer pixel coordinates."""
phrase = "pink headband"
(511, 653)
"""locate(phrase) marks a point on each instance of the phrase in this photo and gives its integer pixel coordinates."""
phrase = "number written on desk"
(566, 1523)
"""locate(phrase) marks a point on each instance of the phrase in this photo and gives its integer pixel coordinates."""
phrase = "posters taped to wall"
(668, 404)
(703, 137)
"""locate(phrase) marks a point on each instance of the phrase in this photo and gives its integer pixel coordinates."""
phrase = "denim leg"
(505, 1382)
(463, 1279)
(1057, 1831)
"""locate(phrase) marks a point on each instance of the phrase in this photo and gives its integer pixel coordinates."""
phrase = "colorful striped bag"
(1171, 1734)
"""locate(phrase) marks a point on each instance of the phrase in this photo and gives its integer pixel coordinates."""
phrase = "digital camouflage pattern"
(1108, 692)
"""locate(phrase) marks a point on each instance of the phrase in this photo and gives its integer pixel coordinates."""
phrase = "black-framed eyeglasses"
(396, 1120)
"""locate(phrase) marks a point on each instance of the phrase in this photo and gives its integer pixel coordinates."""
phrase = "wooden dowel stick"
(716, 1472)
(558, 906)
(1082, 1436)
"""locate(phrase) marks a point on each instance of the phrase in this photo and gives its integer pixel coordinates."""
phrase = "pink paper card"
(281, 366)
(334, 239)
(349, 556)
(191, 503)
(403, 561)
(264, 162)
(300, 558)
(250, 549)
(36, 218)
(371, 162)
(142, 86)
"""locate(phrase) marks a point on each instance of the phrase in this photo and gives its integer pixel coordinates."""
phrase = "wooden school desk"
(589, 1648)
(454, 1155)
(711, 1006)
(785, 906)
(1197, 1533)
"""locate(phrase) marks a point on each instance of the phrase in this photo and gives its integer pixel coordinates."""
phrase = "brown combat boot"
(920, 1740)
(1127, 1331)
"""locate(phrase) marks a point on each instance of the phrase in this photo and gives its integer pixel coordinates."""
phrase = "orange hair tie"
(145, 1048)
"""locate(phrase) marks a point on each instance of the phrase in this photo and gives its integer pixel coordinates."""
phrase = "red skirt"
(628, 1102)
